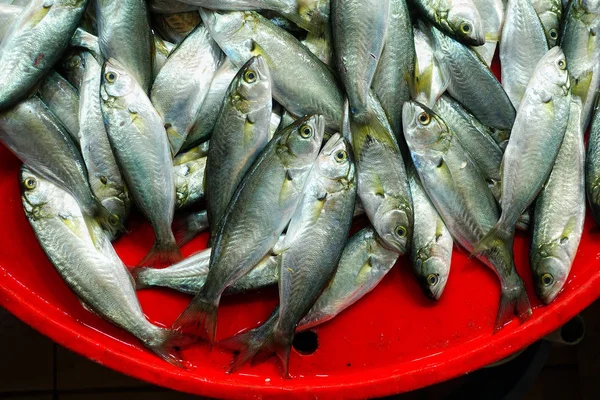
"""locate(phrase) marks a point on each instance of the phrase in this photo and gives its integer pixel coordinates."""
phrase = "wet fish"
(312, 88)
(125, 35)
(592, 164)
(522, 46)
(84, 257)
(463, 200)
(492, 18)
(34, 43)
(473, 84)
(175, 27)
(139, 142)
(358, 39)
(63, 100)
(560, 214)
(183, 83)
(189, 182)
(550, 14)
(323, 220)
(188, 224)
(431, 248)
(241, 132)
(162, 50)
(429, 82)
(247, 233)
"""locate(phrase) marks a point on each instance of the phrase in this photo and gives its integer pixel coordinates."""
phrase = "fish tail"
(140, 277)
(163, 253)
(186, 227)
(500, 236)
(199, 319)
(167, 344)
(513, 301)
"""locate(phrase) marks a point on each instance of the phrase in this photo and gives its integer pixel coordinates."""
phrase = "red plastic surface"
(392, 341)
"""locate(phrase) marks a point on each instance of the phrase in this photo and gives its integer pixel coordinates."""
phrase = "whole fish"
(581, 43)
(162, 50)
(33, 133)
(34, 43)
(8, 14)
(63, 100)
(396, 66)
(86, 260)
(560, 214)
(492, 18)
(183, 82)
(241, 132)
(312, 88)
(323, 220)
(592, 164)
(382, 181)
(189, 182)
(102, 170)
(125, 35)
(175, 27)
(139, 142)
(550, 14)
(258, 213)
(358, 39)
(429, 82)
(473, 84)
(463, 200)
(522, 46)
(431, 248)
(457, 18)
(209, 111)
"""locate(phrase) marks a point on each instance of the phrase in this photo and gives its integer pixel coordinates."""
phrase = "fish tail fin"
(140, 277)
(163, 253)
(187, 226)
(167, 344)
(513, 301)
(199, 319)
(500, 236)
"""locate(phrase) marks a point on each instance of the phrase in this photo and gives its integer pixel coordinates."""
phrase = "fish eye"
(250, 76)
(400, 231)
(424, 118)
(111, 77)
(432, 279)
(562, 64)
(114, 220)
(306, 131)
(30, 183)
(104, 180)
(341, 156)
(553, 34)
(547, 279)
(466, 28)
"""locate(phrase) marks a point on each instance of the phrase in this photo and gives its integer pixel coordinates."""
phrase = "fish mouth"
(556, 268)
(434, 291)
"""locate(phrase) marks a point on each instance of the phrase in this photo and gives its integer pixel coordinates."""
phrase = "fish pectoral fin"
(569, 228)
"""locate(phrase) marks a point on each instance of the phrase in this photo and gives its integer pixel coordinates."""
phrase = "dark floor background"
(32, 367)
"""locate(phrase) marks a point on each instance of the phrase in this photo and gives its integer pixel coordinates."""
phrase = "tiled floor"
(56, 373)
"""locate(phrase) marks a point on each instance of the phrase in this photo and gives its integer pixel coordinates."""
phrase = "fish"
(396, 66)
(86, 260)
(246, 232)
(323, 220)
(103, 172)
(358, 40)
(125, 35)
(189, 182)
(241, 133)
(34, 134)
(429, 82)
(431, 248)
(141, 148)
(321, 46)
(8, 14)
(581, 43)
(188, 224)
(560, 213)
(472, 83)
(63, 100)
(457, 18)
(382, 180)
(492, 18)
(463, 200)
(550, 14)
(34, 43)
(312, 89)
(522, 47)
(183, 83)
(534, 144)
(206, 119)
(592, 164)
(162, 50)
(175, 27)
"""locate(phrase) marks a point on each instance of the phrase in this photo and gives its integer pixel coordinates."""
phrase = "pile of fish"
(273, 124)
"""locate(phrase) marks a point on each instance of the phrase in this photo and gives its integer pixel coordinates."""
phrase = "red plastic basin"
(392, 341)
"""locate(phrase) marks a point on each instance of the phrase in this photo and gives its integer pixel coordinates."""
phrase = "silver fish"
(560, 214)
(550, 14)
(141, 147)
(429, 82)
(63, 100)
(246, 232)
(183, 83)
(241, 132)
(462, 198)
(189, 182)
(85, 259)
(34, 43)
(492, 18)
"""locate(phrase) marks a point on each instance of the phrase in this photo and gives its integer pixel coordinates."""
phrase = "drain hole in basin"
(306, 343)
(573, 331)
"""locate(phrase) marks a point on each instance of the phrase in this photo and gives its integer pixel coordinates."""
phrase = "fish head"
(422, 127)
(551, 266)
(335, 162)
(395, 228)
(553, 68)
(432, 269)
(253, 81)
(41, 199)
(116, 82)
(303, 139)
(466, 23)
